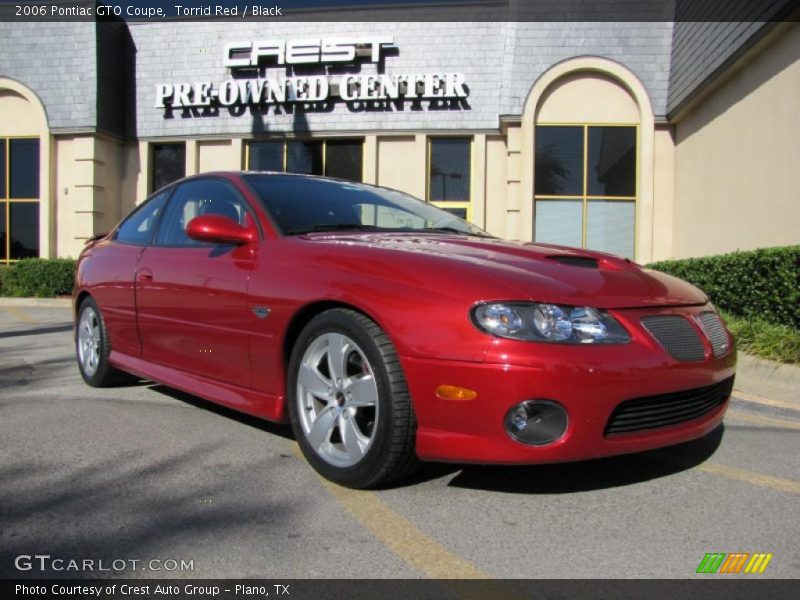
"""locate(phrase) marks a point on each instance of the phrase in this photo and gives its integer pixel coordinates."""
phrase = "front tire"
(348, 401)
(92, 347)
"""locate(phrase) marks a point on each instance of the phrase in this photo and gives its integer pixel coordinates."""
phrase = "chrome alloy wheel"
(89, 341)
(337, 399)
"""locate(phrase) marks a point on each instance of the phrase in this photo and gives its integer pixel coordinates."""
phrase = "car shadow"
(561, 478)
(585, 476)
(109, 507)
(279, 429)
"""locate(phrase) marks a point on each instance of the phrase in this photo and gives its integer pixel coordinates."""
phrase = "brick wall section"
(82, 88)
(641, 47)
(57, 61)
(702, 47)
(500, 61)
(116, 94)
(180, 52)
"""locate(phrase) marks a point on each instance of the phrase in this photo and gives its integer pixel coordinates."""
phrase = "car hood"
(501, 270)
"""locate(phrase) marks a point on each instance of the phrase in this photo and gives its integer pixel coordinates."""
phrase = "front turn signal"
(454, 392)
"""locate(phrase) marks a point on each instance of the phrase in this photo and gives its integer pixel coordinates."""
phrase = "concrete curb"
(768, 379)
(37, 302)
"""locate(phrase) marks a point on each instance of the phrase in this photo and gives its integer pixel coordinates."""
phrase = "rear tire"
(349, 403)
(92, 347)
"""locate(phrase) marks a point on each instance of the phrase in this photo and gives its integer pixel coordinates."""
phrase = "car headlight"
(538, 322)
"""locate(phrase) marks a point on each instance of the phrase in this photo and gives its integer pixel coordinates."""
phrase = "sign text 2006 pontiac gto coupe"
(386, 330)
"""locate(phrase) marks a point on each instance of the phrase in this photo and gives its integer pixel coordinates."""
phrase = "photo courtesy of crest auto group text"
(336, 298)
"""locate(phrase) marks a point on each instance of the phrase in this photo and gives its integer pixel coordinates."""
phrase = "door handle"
(145, 275)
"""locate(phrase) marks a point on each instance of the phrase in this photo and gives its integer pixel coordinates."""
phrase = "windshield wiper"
(363, 227)
(333, 227)
(445, 230)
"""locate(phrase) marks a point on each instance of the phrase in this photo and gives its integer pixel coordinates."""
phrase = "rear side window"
(138, 228)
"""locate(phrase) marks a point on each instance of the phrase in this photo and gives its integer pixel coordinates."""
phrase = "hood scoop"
(575, 261)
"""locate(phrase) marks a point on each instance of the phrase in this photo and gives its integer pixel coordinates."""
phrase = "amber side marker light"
(453, 392)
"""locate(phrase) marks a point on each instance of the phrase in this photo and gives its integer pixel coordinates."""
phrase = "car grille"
(651, 412)
(677, 336)
(575, 261)
(713, 328)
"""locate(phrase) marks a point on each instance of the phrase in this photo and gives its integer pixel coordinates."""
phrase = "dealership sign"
(248, 59)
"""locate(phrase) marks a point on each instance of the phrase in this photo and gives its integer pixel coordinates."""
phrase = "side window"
(137, 229)
(196, 198)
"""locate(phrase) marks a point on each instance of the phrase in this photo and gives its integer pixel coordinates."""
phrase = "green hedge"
(767, 340)
(762, 284)
(43, 278)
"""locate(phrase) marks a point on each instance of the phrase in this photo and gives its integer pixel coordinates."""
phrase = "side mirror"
(217, 229)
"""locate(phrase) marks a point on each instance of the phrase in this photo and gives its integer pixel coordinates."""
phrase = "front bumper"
(588, 381)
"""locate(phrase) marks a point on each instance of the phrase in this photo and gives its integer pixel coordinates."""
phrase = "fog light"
(519, 418)
(536, 422)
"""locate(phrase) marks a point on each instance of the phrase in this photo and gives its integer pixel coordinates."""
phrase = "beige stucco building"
(651, 140)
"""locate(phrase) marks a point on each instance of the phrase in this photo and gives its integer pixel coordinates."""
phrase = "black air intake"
(652, 412)
(575, 261)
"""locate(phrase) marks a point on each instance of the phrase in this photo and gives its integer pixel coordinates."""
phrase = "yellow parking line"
(767, 401)
(20, 314)
(771, 421)
(400, 535)
(752, 477)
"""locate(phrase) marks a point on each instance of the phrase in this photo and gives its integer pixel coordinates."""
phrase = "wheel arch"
(79, 298)
(303, 317)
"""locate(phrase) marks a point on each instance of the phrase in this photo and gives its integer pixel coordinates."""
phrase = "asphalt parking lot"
(144, 473)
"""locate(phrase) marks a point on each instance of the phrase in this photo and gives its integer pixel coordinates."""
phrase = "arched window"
(20, 176)
(586, 164)
(585, 186)
(587, 142)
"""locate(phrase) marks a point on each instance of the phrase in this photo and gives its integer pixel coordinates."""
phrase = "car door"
(112, 274)
(191, 296)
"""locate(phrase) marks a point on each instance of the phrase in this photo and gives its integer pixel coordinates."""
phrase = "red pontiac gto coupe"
(387, 330)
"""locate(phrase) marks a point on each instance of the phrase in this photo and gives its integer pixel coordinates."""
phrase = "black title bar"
(405, 10)
(711, 588)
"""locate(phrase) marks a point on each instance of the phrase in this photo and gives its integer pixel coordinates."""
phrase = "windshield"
(304, 204)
